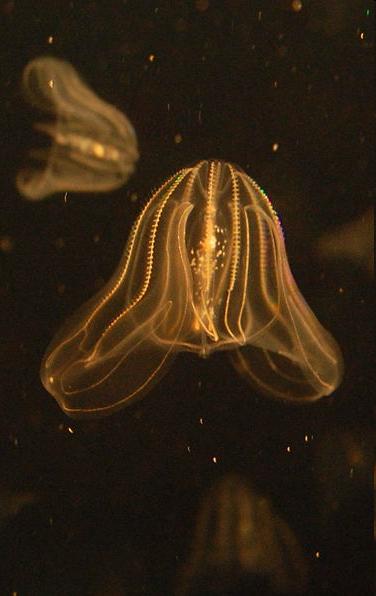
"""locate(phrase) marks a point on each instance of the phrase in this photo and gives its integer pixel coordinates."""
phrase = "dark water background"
(108, 507)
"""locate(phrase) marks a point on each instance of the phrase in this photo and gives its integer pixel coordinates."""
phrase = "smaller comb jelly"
(94, 146)
(242, 546)
(204, 269)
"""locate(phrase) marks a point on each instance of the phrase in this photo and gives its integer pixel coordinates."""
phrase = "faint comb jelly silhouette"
(94, 146)
(352, 241)
(241, 547)
(204, 269)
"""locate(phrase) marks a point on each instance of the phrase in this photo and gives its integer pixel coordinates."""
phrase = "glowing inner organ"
(209, 257)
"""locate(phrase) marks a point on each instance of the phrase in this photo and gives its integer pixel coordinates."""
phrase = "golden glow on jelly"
(204, 269)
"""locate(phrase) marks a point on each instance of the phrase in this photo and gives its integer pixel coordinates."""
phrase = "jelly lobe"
(99, 360)
(205, 269)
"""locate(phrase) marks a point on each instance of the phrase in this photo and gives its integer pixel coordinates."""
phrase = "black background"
(108, 507)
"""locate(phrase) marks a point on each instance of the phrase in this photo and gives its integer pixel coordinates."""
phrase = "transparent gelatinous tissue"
(352, 241)
(204, 269)
(242, 546)
(93, 145)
